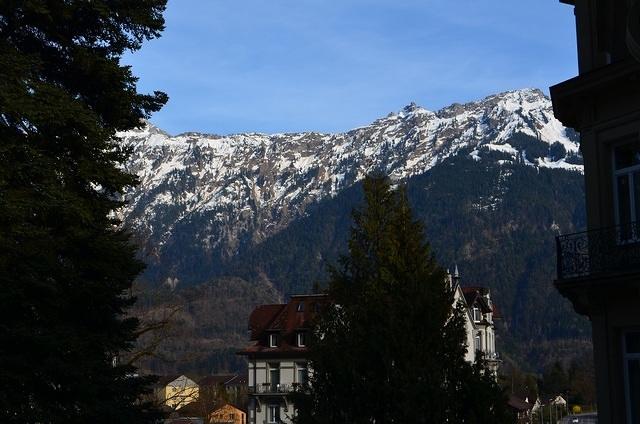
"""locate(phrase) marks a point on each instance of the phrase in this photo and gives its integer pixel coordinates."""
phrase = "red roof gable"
(284, 320)
(475, 294)
(262, 317)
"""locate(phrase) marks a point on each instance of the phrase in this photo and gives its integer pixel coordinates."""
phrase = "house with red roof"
(277, 358)
(278, 354)
(480, 321)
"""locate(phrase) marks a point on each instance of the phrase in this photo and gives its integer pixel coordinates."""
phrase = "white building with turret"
(480, 324)
(278, 357)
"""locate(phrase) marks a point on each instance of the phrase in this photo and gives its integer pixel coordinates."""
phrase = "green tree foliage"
(575, 382)
(64, 267)
(392, 348)
(518, 383)
(497, 222)
(555, 380)
(582, 382)
(205, 325)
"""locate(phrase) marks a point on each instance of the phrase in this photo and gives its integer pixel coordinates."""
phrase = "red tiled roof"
(473, 294)
(262, 317)
(285, 320)
(225, 406)
(298, 313)
(472, 289)
(470, 294)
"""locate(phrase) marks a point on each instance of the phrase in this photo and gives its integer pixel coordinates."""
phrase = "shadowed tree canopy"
(65, 268)
(391, 349)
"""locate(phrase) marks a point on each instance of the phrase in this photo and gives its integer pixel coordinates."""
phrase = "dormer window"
(300, 339)
(273, 340)
(477, 316)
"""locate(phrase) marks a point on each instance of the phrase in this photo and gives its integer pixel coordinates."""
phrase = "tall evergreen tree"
(65, 268)
(391, 349)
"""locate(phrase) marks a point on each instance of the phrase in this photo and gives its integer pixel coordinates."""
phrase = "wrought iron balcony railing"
(598, 252)
(268, 388)
(492, 356)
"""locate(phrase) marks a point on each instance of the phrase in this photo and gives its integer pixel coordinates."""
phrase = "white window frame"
(301, 367)
(270, 418)
(626, 357)
(300, 339)
(273, 340)
(274, 368)
(475, 312)
(629, 172)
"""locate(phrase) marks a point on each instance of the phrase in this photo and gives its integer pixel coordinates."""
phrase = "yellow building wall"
(228, 414)
(176, 397)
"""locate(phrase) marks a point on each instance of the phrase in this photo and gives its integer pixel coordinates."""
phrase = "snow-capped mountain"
(225, 192)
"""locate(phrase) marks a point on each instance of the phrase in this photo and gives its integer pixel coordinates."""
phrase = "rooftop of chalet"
(285, 320)
(476, 294)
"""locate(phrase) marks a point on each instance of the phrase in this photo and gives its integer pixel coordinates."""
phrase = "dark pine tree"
(555, 380)
(65, 267)
(391, 348)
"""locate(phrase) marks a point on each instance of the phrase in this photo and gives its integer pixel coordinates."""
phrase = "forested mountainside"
(494, 182)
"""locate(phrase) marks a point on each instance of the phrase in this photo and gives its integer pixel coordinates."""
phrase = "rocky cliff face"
(220, 195)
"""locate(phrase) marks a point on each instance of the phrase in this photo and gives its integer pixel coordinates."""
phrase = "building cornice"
(574, 100)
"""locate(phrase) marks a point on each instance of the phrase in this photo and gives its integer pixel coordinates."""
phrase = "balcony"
(274, 389)
(598, 253)
(492, 356)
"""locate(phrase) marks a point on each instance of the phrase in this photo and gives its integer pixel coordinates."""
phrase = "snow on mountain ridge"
(242, 188)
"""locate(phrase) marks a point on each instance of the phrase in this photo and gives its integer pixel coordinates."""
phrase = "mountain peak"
(411, 107)
(251, 186)
(523, 95)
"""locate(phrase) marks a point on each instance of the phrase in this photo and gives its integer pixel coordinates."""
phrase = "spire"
(456, 276)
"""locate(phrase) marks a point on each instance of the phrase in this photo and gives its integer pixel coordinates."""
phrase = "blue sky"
(233, 66)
